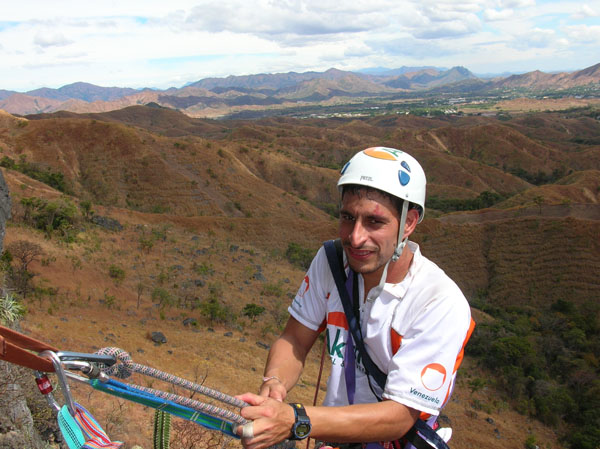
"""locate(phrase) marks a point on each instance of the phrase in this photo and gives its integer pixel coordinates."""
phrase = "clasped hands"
(271, 419)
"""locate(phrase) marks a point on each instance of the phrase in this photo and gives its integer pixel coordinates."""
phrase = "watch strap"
(302, 427)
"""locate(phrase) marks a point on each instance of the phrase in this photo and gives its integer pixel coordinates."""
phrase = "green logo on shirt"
(335, 349)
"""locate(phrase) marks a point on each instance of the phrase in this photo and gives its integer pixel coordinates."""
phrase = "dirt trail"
(439, 142)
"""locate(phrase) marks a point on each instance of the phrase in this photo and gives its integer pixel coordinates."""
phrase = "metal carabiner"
(108, 360)
(46, 389)
(62, 379)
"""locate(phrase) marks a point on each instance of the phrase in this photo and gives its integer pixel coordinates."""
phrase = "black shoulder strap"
(421, 436)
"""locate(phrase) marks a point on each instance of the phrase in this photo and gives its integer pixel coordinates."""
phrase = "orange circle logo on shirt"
(433, 376)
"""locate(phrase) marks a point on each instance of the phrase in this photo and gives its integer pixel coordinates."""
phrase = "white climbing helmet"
(390, 170)
(395, 172)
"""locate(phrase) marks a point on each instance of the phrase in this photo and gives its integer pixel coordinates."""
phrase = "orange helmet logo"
(389, 154)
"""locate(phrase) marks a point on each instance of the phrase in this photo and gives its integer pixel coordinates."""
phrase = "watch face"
(302, 430)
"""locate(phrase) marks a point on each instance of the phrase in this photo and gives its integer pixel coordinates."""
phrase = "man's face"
(368, 230)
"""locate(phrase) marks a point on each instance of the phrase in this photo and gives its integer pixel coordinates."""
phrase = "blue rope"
(133, 394)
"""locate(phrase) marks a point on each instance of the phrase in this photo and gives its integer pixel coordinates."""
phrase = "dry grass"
(205, 240)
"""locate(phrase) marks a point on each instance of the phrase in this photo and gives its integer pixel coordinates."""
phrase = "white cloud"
(280, 19)
(51, 40)
(493, 15)
(584, 12)
(517, 3)
(583, 34)
(536, 38)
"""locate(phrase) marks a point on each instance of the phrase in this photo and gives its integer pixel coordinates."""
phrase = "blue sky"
(149, 43)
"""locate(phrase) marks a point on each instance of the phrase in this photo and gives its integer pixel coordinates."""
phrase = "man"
(413, 318)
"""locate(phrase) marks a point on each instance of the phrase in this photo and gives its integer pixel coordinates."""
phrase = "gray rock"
(107, 223)
(158, 338)
(190, 322)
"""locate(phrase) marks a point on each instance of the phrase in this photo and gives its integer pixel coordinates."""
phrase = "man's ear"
(412, 218)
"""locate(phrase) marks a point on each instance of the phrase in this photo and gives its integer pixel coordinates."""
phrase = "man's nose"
(358, 235)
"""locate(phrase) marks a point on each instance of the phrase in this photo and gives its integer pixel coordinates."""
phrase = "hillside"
(209, 209)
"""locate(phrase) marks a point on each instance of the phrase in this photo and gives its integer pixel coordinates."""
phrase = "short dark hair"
(356, 189)
(397, 202)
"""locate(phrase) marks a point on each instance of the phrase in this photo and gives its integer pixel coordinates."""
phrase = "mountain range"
(217, 97)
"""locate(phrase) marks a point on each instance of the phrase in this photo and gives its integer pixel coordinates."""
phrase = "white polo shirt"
(426, 315)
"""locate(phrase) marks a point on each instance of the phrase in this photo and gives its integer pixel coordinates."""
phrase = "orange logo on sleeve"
(307, 282)
(433, 376)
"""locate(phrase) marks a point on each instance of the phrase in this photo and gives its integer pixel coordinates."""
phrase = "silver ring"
(248, 430)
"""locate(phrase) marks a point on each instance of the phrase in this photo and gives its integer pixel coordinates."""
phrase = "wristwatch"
(301, 428)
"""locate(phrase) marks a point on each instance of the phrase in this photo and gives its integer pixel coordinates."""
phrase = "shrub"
(21, 253)
(252, 311)
(55, 180)
(162, 296)
(214, 310)
(60, 215)
(272, 290)
(484, 200)
(117, 273)
(299, 256)
(11, 310)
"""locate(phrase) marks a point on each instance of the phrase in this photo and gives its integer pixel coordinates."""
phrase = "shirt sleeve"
(421, 373)
(309, 306)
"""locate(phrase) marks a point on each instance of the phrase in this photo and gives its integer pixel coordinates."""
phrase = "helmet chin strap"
(375, 292)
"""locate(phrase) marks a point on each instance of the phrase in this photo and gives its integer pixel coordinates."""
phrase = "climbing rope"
(223, 420)
(79, 426)
(126, 367)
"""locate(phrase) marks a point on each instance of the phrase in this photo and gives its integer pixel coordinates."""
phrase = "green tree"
(214, 310)
(162, 297)
(538, 200)
(86, 207)
(252, 311)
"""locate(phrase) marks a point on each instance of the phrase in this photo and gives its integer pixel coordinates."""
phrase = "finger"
(276, 392)
(248, 430)
(251, 398)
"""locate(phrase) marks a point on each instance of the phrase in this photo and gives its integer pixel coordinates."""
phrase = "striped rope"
(196, 405)
(207, 415)
(127, 367)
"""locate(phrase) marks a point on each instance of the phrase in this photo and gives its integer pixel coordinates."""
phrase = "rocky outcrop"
(4, 208)
(20, 401)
